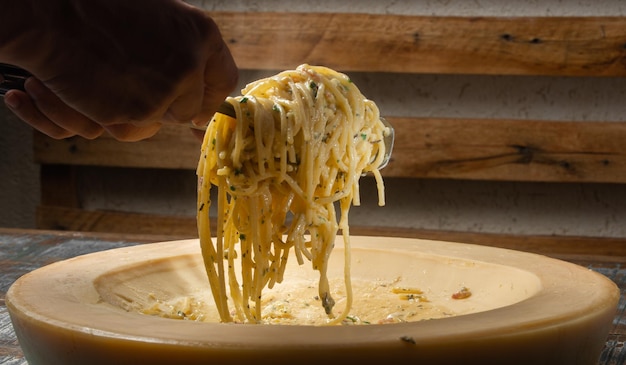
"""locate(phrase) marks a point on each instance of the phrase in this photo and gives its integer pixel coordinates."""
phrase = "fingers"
(44, 111)
(22, 105)
(132, 133)
(199, 134)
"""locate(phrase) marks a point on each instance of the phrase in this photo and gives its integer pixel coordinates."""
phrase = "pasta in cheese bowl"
(275, 282)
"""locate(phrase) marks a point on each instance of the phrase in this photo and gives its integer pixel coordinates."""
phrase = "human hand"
(131, 67)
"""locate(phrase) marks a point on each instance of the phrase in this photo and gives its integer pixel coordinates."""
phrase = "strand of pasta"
(209, 254)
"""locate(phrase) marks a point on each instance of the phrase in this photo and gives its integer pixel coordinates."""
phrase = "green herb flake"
(314, 87)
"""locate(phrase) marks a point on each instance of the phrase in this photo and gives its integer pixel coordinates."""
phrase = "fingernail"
(12, 101)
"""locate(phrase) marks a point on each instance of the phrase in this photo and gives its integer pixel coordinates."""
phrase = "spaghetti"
(301, 141)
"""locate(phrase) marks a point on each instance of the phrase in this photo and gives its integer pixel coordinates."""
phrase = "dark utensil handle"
(227, 108)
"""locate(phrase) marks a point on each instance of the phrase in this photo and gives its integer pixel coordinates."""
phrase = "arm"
(116, 65)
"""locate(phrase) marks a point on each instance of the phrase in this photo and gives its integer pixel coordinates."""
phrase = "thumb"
(220, 79)
(186, 106)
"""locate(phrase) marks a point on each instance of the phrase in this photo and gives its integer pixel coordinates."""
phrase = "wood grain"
(173, 147)
(59, 218)
(572, 46)
(519, 150)
(478, 149)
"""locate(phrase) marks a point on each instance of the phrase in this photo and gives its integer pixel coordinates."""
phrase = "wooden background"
(425, 148)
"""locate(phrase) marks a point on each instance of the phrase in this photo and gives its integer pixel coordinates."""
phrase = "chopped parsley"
(314, 87)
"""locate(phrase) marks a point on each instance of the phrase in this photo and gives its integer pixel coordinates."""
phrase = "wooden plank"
(59, 218)
(478, 149)
(573, 46)
(173, 147)
(514, 150)
(574, 248)
(59, 185)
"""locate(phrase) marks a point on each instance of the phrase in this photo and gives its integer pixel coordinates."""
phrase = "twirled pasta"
(301, 141)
